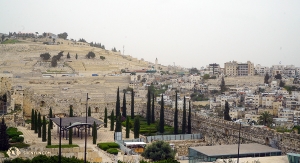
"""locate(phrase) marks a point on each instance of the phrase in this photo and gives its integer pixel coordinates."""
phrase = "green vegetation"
(43, 158)
(108, 145)
(20, 145)
(161, 161)
(112, 151)
(159, 150)
(11, 41)
(5, 153)
(62, 146)
(158, 90)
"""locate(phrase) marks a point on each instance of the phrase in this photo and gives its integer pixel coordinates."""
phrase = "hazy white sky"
(186, 32)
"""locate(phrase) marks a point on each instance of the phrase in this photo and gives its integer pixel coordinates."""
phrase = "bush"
(105, 146)
(113, 151)
(13, 132)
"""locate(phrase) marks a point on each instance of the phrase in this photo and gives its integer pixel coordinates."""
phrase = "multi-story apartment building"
(253, 100)
(286, 113)
(234, 68)
(261, 70)
(267, 100)
(213, 69)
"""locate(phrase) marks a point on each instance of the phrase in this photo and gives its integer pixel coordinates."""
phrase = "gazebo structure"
(68, 121)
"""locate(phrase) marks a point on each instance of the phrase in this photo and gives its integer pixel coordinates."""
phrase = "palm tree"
(265, 119)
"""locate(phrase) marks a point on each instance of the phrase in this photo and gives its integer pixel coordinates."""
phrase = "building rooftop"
(220, 150)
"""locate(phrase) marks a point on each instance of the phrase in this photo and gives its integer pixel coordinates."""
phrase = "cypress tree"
(50, 116)
(176, 116)
(118, 124)
(148, 113)
(71, 111)
(44, 130)
(112, 120)
(124, 106)
(49, 135)
(89, 112)
(94, 133)
(4, 138)
(132, 104)
(118, 103)
(184, 117)
(152, 114)
(39, 125)
(223, 87)
(189, 119)
(136, 127)
(70, 134)
(162, 116)
(35, 122)
(127, 127)
(32, 119)
(105, 117)
(226, 112)
(76, 56)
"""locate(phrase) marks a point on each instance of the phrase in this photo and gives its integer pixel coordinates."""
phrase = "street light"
(86, 115)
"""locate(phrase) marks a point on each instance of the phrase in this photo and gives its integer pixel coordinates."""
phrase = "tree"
(70, 135)
(54, 61)
(148, 113)
(159, 150)
(4, 138)
(112, 120)
(265, 119)
(94, 133)
(194, 71)
(206, 76)
(183, 117)
(32, 119)
(278, 76)
(162, 116)
(50, 116)
(124, 106)
(152, 114)
(63, 35)
(3, 37)
(44, 130)
(223, 87)
(39, 125)
(71, 111)
(190, 119)
(105, 117)
(35, 122)
(176, 116)
(136, 129)
(226, 112)
(76, 56)
(45, 56)
(132, 104)
(68, 55)
(281, 83)
(118, 103)
(90, 55)
(49, 135)
(127, 127)
(118, 124)
(89, 112)
(266, 79)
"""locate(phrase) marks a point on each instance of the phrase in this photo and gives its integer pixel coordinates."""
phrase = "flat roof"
(134, 143)
(65, 121)
(220, 150)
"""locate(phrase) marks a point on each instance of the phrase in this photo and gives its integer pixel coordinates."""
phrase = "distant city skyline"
(185, 33)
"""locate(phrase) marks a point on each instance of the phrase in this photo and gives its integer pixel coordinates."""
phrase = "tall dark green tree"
(68, 55)
(190, 119)
(44, 130)
(94, 133)
(76, 56)
(89, 112)
(39, 124)
(71, 111)
(105, 117)
(148, 113)
(127, 127)
(112, 121)
(4, 138)
(50, 116)
(176, 116)
(266, 79)
(35, 122)
(70, 135)
(132, 104)
(281, 83)
(118, 103)
(32, 119)
(153, 112)
(118, 124)
(124, 106)
(162, 116)
(184, 117)
(226, 112)
(49, 135)
(136, 127)
(223, 87)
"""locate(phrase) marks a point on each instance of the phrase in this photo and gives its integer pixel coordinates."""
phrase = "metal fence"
(174, 137)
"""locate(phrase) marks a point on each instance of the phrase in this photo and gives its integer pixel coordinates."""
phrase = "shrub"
(103, 146)
(113, 151)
